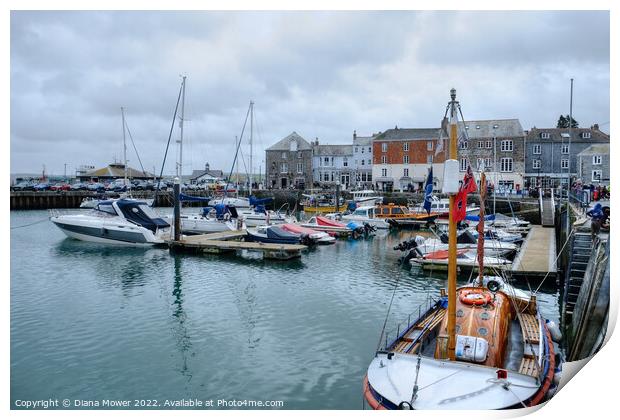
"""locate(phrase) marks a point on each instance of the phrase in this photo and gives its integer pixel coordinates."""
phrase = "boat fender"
(556, 334)
(551, 392)
(557, 377)
(469, 297)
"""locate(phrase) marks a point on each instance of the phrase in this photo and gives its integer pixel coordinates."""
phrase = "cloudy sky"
(321, 74)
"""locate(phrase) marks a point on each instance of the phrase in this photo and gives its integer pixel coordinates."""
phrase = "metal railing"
(389, 338)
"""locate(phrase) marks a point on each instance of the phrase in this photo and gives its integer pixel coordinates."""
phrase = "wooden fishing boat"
(401, 215)
(476, 347)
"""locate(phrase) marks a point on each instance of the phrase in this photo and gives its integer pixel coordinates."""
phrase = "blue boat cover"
(354, 225)
(474, 218)
(260, 201)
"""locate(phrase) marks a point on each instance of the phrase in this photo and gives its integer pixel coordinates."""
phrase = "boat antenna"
(454, 106)
(174, 117)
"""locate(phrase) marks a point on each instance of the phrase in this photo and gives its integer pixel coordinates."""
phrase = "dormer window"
(586, 135)
(495, 126)
(544, 135)
(293, 146)
(477, 127)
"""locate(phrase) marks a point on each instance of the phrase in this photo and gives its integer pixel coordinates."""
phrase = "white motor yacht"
(118, 221)
(366, 214)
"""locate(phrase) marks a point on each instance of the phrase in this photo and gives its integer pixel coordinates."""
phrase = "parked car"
(23, 186)
(79, 186)
(42, 186)
(96, 186)
(61, 186)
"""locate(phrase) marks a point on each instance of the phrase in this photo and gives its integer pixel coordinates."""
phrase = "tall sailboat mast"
(181, 120)
(251, 137)
(124, 148)
(452, 235)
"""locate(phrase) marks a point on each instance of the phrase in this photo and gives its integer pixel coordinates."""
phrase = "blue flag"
(428, 190)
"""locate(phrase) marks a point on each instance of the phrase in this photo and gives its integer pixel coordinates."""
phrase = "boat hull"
(105, 235)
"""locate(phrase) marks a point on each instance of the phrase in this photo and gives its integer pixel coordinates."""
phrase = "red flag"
(460, 202)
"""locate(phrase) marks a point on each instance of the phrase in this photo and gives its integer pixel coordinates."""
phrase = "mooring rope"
(30, 224)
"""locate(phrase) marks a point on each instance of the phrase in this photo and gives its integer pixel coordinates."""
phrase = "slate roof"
(555, 134)
(332, 149)
(493, 128)
(215, 173)
(397, 134)
(595, 149)
(285, 143)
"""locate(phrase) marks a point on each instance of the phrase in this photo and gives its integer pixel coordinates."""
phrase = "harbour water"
(93, 322)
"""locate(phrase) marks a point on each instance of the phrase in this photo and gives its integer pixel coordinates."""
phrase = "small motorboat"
(321, 238)
(119, 221)
(465, 258)
(366, 214)
(212, 220)
(273, 235)
(330, 226)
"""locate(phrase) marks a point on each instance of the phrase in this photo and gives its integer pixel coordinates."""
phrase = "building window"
(283, 168)
(544, 135)
(362, 150)
(597, 175)
(597, 160)
(536, 164)
(429, 145)
(507, 146)
(363, 162)
(356, 149)
(429, 158)
(369, 178)
(345, 161)
(489, 144)
(326, 177)
(406, 159)
(406, 147)
(406, 172)
(384, 159)
(300, 168)
(487, 163)
(536, 149)
(480, 144)
(506, 165)
(370, 150)
(564, 164)
(384, 147)
(586, 135)
(283, 155)
(383, 172)
(480, 164)
(325, 161)
(463, 164)
(565, 149)
(463, 145)
(299, 155)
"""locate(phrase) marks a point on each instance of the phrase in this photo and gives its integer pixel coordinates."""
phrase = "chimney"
(595, 127)
(207, 166)
(316, 141)
(354, 134)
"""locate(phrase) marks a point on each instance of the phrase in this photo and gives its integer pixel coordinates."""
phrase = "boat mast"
(483, 195)
(181, 120)
(452, 235)
(124, 149)
(570, 126)
(251, 134)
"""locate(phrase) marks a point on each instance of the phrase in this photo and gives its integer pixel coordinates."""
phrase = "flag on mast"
(468, 185)
(428, 190)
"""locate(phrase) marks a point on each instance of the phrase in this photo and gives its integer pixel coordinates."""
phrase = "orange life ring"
(470, 297)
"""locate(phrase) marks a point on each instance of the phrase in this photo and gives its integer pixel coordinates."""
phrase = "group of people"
(596, 192)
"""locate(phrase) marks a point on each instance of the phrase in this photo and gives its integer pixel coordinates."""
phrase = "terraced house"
(498, 148)
(332, 164)
(552, 155)
(402, 156)
(288, 163)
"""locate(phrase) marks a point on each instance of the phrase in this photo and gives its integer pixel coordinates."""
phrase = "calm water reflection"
(98, 322)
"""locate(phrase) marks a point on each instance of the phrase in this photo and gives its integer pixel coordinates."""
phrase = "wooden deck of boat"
(405, 344)
(537, 254)
(220, 242)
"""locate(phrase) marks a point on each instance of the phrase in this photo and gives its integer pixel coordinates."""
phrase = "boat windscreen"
(106, 208)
